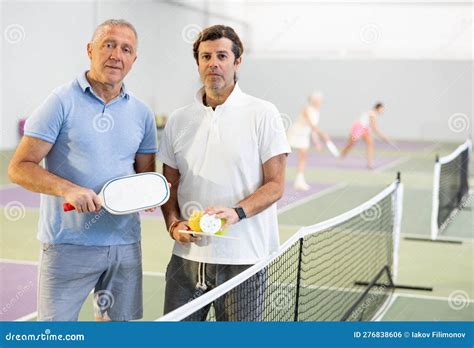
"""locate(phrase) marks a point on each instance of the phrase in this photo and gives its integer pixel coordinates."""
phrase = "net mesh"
(328, 272)
(453, 185)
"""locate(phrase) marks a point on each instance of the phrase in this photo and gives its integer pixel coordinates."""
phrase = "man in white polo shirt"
(225, 154)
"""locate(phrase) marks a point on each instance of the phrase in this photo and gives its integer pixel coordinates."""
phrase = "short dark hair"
(217, 32)
(378, 105)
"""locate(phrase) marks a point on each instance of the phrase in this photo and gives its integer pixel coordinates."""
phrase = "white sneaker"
(300, 183)
(301, 186)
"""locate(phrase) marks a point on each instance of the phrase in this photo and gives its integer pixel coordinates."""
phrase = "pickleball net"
(450, 187)
(342, 269)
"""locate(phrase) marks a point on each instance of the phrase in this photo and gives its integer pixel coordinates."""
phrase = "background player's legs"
(350, 143)
(300, 182)
(370, 149)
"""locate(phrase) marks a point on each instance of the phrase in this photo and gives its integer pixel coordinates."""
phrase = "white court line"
(288, 226)
(428, 297)
(20, 262)
(28, 317)
(391, 164)
(154, 274)
(311, 197)
(441, 238)
(381, 315)
(7, 186)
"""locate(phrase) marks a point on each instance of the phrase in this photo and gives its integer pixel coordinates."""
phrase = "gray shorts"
(69, 272)
(187, 280)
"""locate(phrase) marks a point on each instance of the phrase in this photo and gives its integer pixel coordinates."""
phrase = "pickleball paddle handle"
(68, 207)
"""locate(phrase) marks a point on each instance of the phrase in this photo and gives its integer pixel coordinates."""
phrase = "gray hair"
(111, 23)
(316, 95)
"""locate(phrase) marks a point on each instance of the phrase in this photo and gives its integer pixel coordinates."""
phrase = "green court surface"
(446, 267)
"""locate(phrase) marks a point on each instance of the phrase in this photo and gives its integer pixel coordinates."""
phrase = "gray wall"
(420, 96)
(49, 49)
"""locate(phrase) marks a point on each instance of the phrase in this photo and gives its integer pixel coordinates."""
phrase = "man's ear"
(89, 50)
(237, 63)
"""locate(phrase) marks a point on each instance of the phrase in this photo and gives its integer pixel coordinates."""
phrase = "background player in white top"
(362, 128)
(304, 130)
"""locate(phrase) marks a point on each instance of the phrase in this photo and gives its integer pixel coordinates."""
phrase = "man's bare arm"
(25, 170)
(144, 163)
(170, 209)
(271, 191)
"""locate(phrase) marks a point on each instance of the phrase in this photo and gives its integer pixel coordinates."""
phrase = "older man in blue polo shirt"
(89, 131)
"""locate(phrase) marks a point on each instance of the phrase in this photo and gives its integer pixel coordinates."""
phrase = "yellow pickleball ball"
(194, 220)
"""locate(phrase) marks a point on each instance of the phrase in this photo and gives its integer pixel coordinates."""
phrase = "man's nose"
(116, 54)
(213, 62)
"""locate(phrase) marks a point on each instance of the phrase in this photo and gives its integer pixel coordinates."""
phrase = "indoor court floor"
(336, 187)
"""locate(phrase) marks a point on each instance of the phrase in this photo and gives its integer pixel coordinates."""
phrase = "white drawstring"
(201, 284)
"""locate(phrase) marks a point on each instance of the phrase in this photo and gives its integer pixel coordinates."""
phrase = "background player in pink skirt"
(362, 128)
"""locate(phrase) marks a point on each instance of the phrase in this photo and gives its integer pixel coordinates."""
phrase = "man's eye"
(109, 45)
(222, 56)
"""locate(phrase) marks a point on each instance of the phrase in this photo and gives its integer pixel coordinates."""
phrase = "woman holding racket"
(302, 132)
(362, 128)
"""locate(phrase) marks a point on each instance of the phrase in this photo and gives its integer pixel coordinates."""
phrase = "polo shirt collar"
(84, 84)
(234, 97)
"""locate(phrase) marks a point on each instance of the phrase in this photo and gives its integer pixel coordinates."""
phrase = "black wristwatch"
(240, 212)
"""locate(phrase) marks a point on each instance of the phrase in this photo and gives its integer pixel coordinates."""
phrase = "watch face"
(240, 213)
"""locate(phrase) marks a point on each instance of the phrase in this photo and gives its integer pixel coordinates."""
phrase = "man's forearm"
(261, 199)
(170, 210)
(35, 178)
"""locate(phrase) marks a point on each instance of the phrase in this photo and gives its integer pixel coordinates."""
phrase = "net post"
(397, 226)
(435, 200)
(399, 177)
(298, 279)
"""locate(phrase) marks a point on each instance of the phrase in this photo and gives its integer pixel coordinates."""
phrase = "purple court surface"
(18, 290)
(404, 145)
(352, 161)
(292, 196)
(31, 199)
(13, 194)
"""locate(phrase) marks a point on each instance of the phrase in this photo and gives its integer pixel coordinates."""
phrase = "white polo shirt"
(219, 155)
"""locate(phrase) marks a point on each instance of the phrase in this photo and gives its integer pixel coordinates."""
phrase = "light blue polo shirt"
(93, 143)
